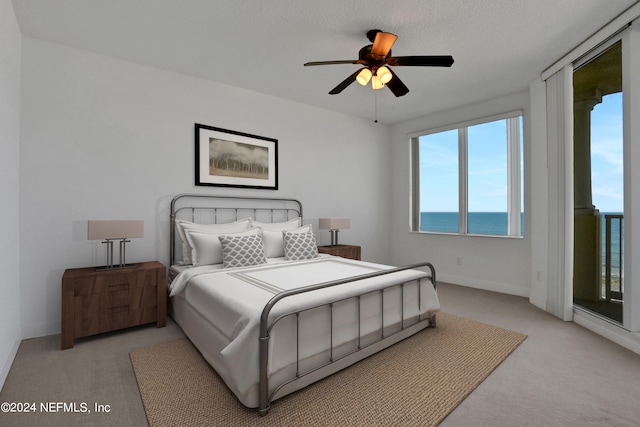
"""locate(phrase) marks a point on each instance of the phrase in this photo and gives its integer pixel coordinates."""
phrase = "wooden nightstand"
(97, 301)
(344, 251)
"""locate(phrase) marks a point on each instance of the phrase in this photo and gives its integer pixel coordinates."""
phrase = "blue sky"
(606, 154)
(488, 160)
(439, 172)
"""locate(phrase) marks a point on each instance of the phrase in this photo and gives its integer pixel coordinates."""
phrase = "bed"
(271, 315)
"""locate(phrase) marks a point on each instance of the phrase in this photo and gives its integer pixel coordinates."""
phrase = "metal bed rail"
(266, 327)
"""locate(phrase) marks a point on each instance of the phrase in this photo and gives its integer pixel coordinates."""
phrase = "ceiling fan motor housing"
(371, 60)
(371, 34)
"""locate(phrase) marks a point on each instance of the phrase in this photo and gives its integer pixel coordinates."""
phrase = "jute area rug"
(418, 381)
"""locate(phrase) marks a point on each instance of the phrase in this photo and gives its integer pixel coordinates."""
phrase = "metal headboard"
(210, 209)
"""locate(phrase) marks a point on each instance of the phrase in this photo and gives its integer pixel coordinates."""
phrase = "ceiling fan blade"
(382, 43)
(396, 86)
(422, 61)
(346, 61)
(346, 82)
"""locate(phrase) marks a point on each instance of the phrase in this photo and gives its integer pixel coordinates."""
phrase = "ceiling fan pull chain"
(375, 106)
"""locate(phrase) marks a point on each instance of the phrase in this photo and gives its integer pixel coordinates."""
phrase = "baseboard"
(7, 360)
(42, 329)
(620, 336)
(485, 285)
(538, 301)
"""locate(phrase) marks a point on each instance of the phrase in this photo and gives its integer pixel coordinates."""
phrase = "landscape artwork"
(230, 158)
(234, 159)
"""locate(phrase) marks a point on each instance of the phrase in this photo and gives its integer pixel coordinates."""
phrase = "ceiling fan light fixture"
(376, 83)
(373, 60)
(384, 74)
(364, 76)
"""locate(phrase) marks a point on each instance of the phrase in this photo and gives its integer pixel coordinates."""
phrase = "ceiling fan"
(376, 58)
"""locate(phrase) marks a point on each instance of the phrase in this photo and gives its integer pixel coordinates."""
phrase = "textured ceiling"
(499, 46)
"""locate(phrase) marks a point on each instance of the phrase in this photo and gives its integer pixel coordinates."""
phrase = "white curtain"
(559, 89)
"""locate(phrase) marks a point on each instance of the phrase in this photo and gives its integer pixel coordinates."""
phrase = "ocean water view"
(617, 244)
(488, 223)
(495, 223)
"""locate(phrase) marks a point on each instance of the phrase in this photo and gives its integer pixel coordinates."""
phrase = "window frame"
(514, 174)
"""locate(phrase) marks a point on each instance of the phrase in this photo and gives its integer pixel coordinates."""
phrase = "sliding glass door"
(598, 284)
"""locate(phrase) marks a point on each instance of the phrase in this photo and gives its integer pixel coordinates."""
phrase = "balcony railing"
(614, 257)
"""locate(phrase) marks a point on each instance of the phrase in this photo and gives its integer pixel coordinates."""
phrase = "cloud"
(609, 151)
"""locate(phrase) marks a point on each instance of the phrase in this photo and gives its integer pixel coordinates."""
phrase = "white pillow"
(182, 227)
(274, 242)
(299, 246)
(242, 251)
(278, 226)
(206, 247)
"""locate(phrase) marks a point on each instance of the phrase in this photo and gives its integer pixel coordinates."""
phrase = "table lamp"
(112, 230)
(334, 225)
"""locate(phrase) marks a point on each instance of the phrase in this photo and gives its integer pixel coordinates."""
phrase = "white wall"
(10, 45)
(109, 139)
(10, 50)
(497, 264)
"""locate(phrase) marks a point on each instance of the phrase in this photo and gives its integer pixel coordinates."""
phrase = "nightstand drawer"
(117, 318)
(135, 298)
(114, 310)
(106, 302)
(97, 283)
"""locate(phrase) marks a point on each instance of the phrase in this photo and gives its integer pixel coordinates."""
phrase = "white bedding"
(229, 302)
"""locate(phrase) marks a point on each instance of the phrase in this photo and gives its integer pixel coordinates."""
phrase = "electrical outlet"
(459, 261)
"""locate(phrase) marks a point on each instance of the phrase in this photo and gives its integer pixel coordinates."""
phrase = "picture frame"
(227, 158)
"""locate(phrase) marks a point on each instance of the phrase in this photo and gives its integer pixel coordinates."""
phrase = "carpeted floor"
(419, 381)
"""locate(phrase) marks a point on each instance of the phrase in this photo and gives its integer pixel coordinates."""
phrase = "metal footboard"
(266, 327)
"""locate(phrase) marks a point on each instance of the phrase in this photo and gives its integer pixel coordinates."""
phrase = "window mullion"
(513, 178)
(414, 192)
(463, 182)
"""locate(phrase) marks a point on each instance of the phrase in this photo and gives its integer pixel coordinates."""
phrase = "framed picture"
(226, 158)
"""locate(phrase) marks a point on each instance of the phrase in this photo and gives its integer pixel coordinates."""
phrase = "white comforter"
(233, 299)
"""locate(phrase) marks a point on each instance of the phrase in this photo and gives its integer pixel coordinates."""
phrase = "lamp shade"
(384, 74)
(376, 83)
(364, 76)
(334, 223)
(115, 229)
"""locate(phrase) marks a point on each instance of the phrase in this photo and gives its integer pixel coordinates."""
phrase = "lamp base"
(122, 263)
(334, 237)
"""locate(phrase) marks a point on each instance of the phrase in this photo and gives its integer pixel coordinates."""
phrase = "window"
(467, 179)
